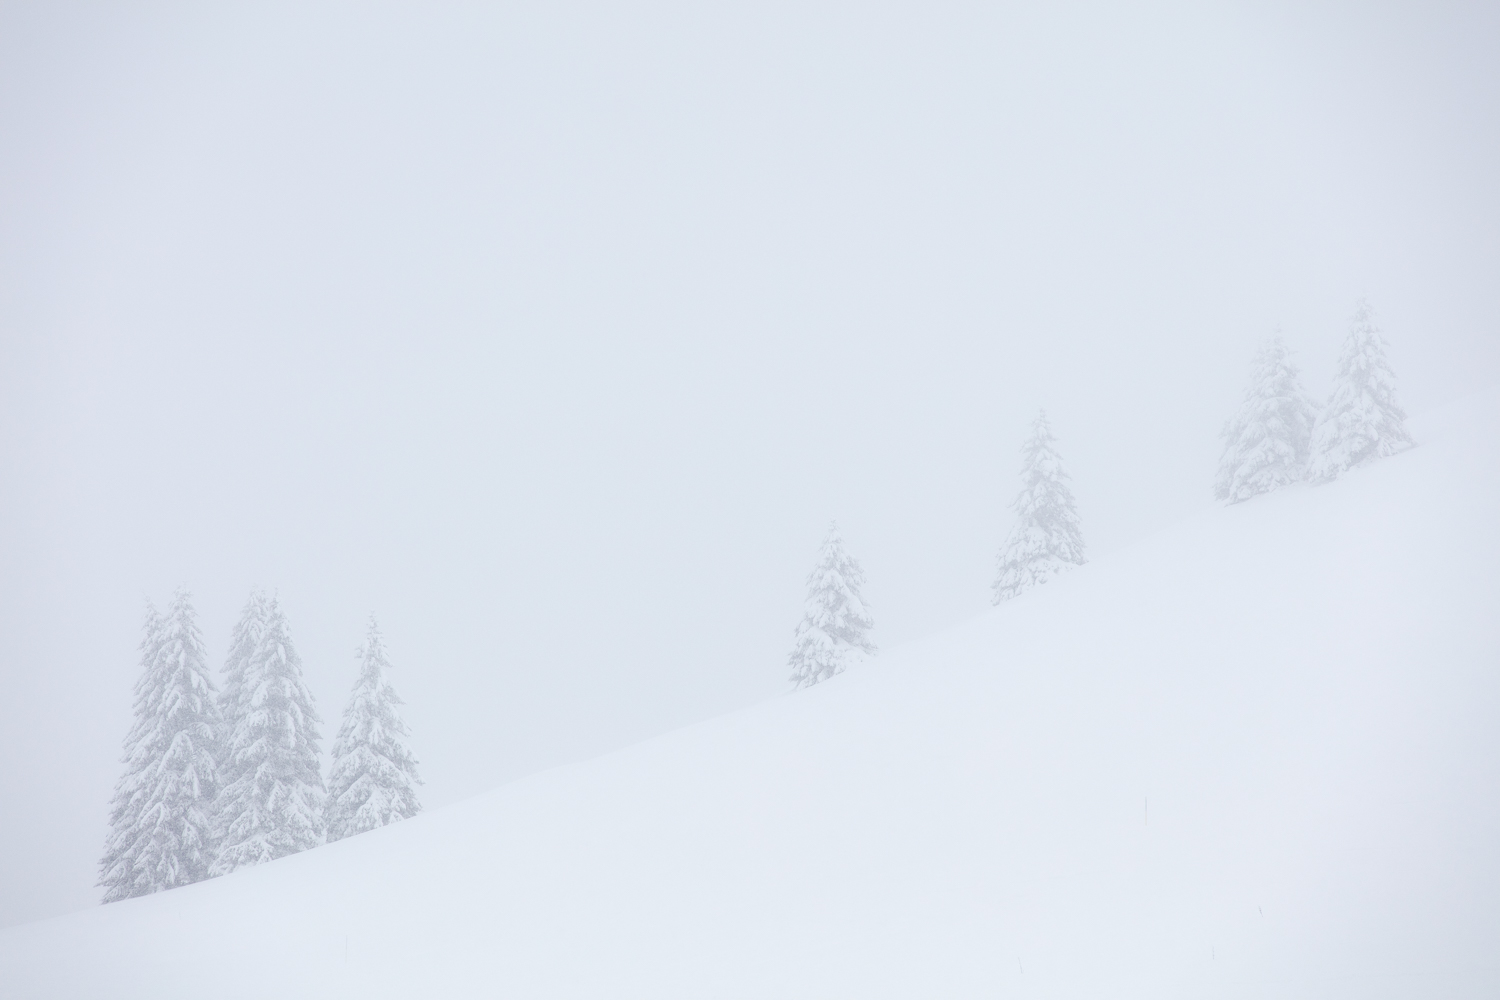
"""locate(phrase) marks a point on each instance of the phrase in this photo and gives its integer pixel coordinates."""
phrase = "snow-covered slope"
(1254, 756)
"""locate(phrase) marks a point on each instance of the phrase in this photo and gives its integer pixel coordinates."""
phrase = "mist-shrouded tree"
(374, 776)
(271, 804)
(1266, 443)
(1362, 421)
(118, 872)
(835, 629)
(242, 643)
(1046, 541)
(161, 819)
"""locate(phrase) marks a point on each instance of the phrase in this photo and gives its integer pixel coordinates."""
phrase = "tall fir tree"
(835, 626)
(1362, 421)
(272, 801)
(374, 775)
(242, 644)
(1046, 540)
(161, 820)
(1266, 444)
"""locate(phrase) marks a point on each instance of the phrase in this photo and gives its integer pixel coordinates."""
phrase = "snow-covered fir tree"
(1266, 444)
(161, 820)
(1362, 421)
(242, 643)
(272, 800)
(1046, 540)
(374, 776)
(117, 874)
(835, 626)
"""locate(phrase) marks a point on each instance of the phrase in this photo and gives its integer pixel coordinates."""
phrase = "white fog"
(485, 380)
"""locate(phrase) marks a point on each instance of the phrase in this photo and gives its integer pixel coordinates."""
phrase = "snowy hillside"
(1257, 755)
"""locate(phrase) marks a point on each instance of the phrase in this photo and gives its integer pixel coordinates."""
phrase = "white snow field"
(1257, 755)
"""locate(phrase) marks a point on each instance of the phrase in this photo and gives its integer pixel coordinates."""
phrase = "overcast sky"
(555, 334)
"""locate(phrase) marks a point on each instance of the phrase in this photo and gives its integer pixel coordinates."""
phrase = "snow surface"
(1253, 756)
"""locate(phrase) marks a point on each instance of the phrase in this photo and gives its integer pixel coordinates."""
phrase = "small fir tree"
(835, 626)
(272, 802)
(1362, 421)
(372, 782)
(1266, 444)
(161, 821)
(1046, 540)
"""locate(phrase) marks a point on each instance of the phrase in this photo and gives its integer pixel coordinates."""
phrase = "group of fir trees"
(1280, 437)
(220, 780)
(1045, 542)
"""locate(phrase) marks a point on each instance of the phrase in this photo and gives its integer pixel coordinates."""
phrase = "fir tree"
(1046, 540)
(1266, 444)
(834, 631)
(162, 817)
(272, 802)
(1362, 421)
(372, 782)
(242, 643)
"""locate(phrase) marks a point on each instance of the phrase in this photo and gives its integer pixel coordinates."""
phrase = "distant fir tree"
(1362, 421)
(242, 643)
(1266, 444)
(835, 626)
(118, 874)
(272, 801)
(161, 820)
(1046, 540)
(374, 774)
